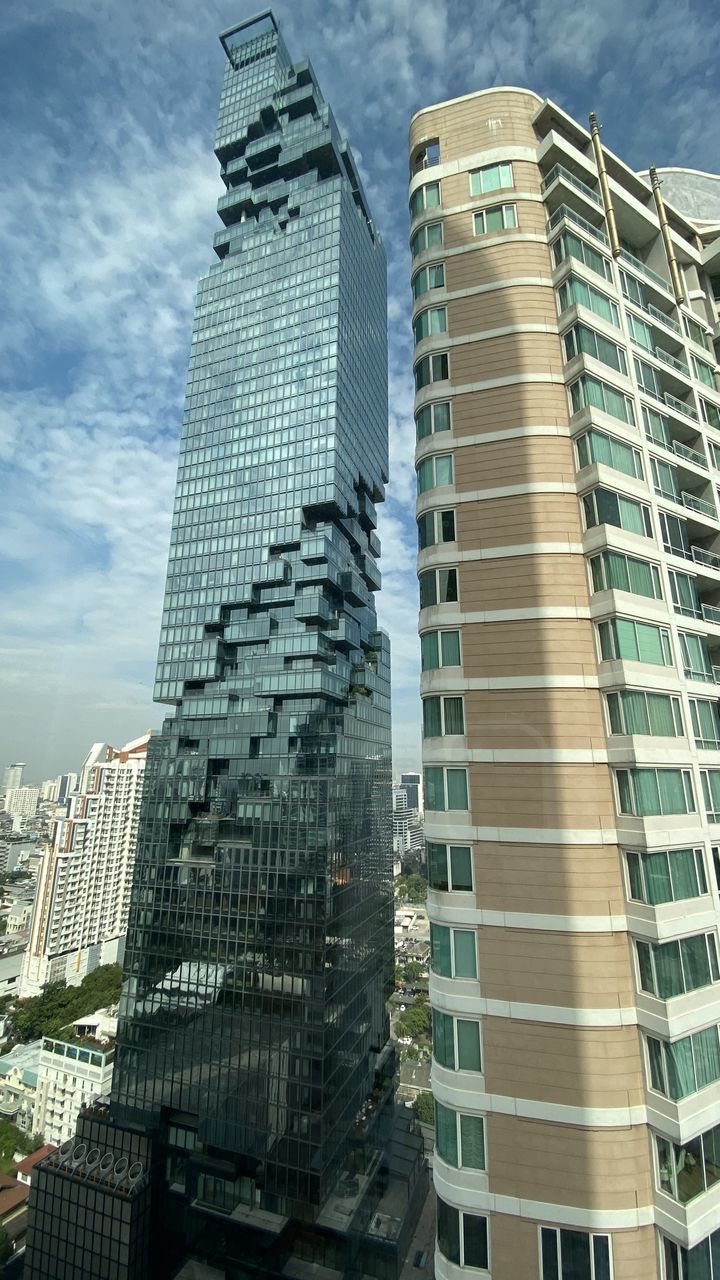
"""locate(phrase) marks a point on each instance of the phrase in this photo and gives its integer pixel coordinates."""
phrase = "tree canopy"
(59, 1005)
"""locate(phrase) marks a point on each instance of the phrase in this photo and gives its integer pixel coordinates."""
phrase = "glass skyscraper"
(253, 1042)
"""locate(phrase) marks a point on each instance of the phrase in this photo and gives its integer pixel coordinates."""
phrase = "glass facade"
(259, 954)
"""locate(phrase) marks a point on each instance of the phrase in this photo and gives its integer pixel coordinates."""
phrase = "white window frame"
(711, 951)
(434, 431)
(431, 313)
(509, 219)
(448, 860)
(432, 458)
(488, 168)
(442, 698)
(423, 204)
(443, 569)
(474, 1115)
(433, 362)
(417, 290)
(687, 786)
(641, 854)
(440, 632)
(416, 247)
(591, 1234)
(675, 706)
(435, 517)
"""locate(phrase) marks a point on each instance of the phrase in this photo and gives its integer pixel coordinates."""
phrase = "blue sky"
(107, 211)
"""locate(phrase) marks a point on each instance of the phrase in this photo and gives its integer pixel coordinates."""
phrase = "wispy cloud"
(106, 218)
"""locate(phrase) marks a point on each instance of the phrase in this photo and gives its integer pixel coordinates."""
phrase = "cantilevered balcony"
(561, 187)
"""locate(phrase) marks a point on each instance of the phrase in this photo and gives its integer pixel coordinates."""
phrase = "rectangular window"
(710, 413)
(493, 177)
(431, 369)
(614, 571)
(432, 418)
(633, 290)
(696, 333)
(438, 586)
(640, 332)
(710, 779)
(682, 1067)
(498, 217)
(705, 717)
(582, 340)
(670, 969)
(456, 1042)
(574, 1255)
(654, 714)
(439, 649)
(452, 952)
(695, 656)
(573, 290)
(703, 372)
(427, 237)
(430, 322)
(648, 378)
(450, 867)
(435, 471)
(598, 446)
(590, 392)
(425, 197)
(671, 875)
(687, 1170)
(462, 1237)
(683, 590)
(606, 506)
(443, 717)
(435, 527)
(675, 535)
(568, 245)
(665, 479)
(432, 277)
(445, 789)
(651, 793)
(699, 1263)
(459, 1139)
(635, 642)
(657, 427)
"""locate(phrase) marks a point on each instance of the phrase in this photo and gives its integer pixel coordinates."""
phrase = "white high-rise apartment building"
(12, 776)
(21, 803)
(81, 907)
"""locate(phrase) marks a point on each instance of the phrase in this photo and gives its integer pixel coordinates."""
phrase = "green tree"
(413, 970)
(50, 1013)
(424, 1108)
(415, 1021)
(412, 888)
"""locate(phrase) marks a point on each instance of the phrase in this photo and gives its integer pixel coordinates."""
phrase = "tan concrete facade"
(571, 1113)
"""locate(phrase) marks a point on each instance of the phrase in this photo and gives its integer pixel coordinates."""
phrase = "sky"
(108, 188)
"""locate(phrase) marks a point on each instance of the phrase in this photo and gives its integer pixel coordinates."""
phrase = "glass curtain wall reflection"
(259, 955)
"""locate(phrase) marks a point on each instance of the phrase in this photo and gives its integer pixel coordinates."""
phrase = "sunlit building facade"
(568, 462)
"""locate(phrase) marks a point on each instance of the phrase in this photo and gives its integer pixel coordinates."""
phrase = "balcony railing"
(716, 674)
(680, 407)
(710, 613)
(559, 171)
(692, 455)
(564, 212)
(701, 556)
(649, 274)
(673, 361)
(698, 504)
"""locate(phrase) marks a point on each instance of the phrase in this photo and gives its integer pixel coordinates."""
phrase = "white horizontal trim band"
(531, 1109)
(450, 912)
(469, 1004)
(430, 444)
(442, 681)
(457, 832)
(545, 1211)
(440, 341)
(447, 753)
